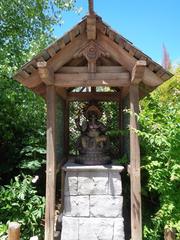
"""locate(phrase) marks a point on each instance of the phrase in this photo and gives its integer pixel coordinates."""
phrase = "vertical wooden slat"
(50, 164)
(14, 231)
(136, 218)
(66, 150)
(62, 189)
(121, 127)
(66, 129)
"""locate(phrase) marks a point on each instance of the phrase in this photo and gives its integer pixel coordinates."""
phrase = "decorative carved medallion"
(92, 51)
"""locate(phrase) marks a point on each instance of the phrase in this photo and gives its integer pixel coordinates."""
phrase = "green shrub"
(19, 202)
(160, 150)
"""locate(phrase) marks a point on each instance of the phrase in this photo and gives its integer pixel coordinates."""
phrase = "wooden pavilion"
(88, 56)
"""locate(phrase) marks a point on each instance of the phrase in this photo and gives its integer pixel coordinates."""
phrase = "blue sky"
(148, 24)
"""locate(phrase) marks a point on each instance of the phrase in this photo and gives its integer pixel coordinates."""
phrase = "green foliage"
(160, 145)
(25, 22)
(20, 202)
(26, 29)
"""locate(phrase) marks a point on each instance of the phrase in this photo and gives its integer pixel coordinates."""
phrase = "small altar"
(92, 64)
(92, 202)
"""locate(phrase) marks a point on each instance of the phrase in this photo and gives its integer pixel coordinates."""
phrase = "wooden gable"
(69, 61)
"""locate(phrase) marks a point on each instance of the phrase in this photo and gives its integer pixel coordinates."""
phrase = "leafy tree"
(160, 138)
(26, 28)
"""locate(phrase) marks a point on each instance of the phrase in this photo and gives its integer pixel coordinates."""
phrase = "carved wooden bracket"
(45, 74)
(138, 72)
(92, 51)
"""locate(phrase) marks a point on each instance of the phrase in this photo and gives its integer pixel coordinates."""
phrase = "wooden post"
(169, 234)
(14, 231)
(136, 219)
(135, 175)
(50, 164)
(91, 7)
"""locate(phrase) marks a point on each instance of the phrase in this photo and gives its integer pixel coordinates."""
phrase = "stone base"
(74, 228)
(92, 203)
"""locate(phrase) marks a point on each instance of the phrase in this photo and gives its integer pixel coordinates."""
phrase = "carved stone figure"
(92, 144)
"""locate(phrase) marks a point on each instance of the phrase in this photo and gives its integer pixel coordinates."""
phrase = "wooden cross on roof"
(91, 7)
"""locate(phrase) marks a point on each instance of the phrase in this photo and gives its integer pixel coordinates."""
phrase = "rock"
(71, 184)
(115, 185)
(118, 229)
(106, 206)
(92, 183)
(69, 228)
(95, 229)
(76, 206)
(93, 203)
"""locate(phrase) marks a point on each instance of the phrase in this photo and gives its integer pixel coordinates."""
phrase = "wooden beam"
(91, 27)
(99, 79)
(46, 75)
(138, 72)
(33, 80)
(151, 79)
(50, 164)
(118, 53)
(136, 218)
(124, 59)
(99, 96)
(99, 69)
(124, 92)
(40, 90)
(67, 53)
(62, 92)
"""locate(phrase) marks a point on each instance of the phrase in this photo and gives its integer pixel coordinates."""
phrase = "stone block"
(71, 184)
(115, 184)
(70, 228)
(106, 206)
(95, 229)
(76, 206)
(119, 229)
(92, 183)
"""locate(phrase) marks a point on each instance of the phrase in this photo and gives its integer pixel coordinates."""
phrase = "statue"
(93, 144)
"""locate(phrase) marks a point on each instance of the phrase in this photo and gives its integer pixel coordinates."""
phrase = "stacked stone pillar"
(92, 203)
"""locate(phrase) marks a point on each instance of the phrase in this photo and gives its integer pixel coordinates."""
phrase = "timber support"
(135, 175)
(50, 164)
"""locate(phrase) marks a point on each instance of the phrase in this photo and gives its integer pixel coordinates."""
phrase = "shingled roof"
(55, 48)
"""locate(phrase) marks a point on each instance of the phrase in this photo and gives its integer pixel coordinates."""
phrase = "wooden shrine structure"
(88, 56)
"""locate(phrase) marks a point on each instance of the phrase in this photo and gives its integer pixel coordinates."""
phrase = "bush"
(20, 203)
(160, 150)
